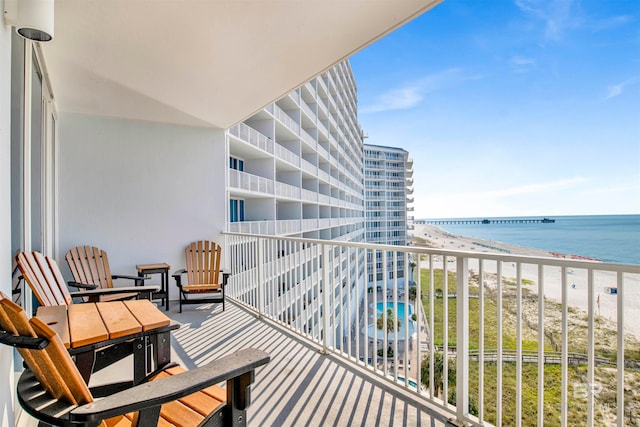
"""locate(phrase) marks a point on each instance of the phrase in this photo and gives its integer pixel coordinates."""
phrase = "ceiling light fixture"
(33, 19)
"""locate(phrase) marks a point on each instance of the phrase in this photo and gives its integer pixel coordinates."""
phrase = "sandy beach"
(605, 304)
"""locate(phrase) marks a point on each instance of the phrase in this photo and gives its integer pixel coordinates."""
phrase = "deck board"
(85, 325)
(119, 320)
(147, 314)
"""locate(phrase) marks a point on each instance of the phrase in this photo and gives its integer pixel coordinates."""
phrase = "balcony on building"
(149, 143)
(319, 351)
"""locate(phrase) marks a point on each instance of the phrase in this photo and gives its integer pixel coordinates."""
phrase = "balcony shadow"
(300, 386)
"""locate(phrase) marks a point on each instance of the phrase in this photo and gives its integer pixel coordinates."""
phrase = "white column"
(6, 353)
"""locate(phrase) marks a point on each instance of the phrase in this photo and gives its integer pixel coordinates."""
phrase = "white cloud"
(536, 188)
(521, 190)
(556, 15)
(610, 23)
(529, 199)
(617, 89)
(413, 93)
(521, 64)
(521, 60)
(396, 99)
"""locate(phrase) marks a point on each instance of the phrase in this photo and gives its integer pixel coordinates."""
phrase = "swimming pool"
(379, 334)
(412, 383)
(400, 314)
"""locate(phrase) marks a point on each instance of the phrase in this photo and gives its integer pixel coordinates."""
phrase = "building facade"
(296, 169)
(388, 173)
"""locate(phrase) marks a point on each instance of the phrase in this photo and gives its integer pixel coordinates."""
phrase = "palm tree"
(438, 374)
(413, 292)
(390, 325)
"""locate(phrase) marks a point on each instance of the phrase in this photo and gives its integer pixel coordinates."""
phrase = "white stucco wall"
(6, 353)
(139, 190)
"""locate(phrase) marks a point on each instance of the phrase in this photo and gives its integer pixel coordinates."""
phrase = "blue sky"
(511, 107)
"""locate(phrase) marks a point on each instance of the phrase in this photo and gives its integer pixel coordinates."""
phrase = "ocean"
(610, 238)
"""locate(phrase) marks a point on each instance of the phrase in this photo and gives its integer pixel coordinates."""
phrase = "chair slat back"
(43, 276)
(90, 266)
(203, 262)
(53, 365)
(16, 279)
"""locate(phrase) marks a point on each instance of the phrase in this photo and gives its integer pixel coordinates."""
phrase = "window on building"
(236, 210)
(235, 163)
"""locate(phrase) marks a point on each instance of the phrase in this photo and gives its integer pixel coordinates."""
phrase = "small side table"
(163, 270)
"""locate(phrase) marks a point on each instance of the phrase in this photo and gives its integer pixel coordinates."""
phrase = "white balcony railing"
(308, 196)
(308, 139)
(286, 155)
(308, 167)
(295, 95)
(249, 182)
(511, 357)
(287, 191)
(308, 111)
(312, 90)
(252, 136)
(253, 227)
(324, 199)
(285, 119)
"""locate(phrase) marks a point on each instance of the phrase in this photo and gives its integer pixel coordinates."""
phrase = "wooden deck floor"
(300, 386)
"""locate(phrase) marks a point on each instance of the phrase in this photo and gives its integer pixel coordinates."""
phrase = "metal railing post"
(326, 295)
(462, 338)
(259, 286)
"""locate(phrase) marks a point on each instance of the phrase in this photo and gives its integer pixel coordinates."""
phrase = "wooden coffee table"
(98, 334)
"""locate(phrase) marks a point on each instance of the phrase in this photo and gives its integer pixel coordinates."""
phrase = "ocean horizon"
(609, 238)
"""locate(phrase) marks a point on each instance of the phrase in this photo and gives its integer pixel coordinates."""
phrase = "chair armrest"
(94, 294)
(225, 276)
(178, 273)
(178, 277)
(19, 341)
(137, 279)
(79, 285)
(153, 394)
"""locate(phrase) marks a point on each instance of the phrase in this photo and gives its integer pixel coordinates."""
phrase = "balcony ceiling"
(204, 62)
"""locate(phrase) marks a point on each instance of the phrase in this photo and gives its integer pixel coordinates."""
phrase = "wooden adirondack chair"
(203, 275)
(90, 266)
(43, 276)
(52, 390)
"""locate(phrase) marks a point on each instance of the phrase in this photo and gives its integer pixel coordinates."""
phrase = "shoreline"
(577, 295)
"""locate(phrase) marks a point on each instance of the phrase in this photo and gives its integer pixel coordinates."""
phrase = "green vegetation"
(606, 337)
(390, 325)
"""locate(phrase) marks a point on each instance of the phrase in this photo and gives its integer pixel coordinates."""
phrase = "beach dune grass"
(605, 376)
(490, 317)
(605, 330)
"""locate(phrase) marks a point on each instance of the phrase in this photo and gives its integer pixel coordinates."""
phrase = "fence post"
(327, 293)
(260, 261)
(462, 338)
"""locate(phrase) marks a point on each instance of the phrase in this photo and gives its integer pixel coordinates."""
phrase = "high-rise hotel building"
(388, 174)
(299, 168)
(296, 169)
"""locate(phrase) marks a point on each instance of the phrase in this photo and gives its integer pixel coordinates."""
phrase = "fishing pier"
(488, 221)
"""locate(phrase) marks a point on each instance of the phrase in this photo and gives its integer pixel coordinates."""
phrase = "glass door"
(33, 154)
